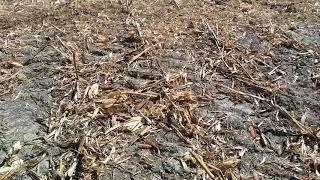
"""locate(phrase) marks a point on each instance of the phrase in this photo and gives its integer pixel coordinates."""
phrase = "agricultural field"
(159, 89)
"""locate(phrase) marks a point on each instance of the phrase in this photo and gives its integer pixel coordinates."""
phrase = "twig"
(75, 65)
(253, 83)
(182, 137)
(138, 28)
(244, 69)
(203, 165)
(138, 55)
(73, 56)
(176, 3)
(315, 77)
(216, 41)
(63, 44)
(60, 30)
(160, 67)
(75, 91)
(154, 95)
(273, 70)
(242, 93)
(144, 74)
(213, 33)
(27, 62)
(216, 170)
(304, 130)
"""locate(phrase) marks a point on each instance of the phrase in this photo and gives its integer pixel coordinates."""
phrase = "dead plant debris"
(170, 89)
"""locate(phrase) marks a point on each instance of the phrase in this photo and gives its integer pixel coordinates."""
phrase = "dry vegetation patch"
(172, 89)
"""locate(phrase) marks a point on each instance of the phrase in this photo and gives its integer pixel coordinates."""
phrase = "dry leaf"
(134, 123)
(107, 103)
(113, 150)
(16, 64)
(264, 140)
(95, 112)
(217, 127)
(15, 148)
(318, 133)
(93, 91)
(145, 130)
(243, 151)
(72, 169)
(21, 77)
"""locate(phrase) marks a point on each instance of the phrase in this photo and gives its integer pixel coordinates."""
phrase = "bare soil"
(175, 89)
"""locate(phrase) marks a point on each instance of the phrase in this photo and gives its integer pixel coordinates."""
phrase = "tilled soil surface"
(176, 89)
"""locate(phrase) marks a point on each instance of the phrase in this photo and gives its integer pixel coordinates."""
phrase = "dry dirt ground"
(166, 89)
